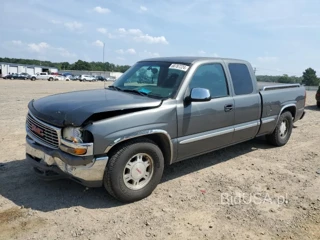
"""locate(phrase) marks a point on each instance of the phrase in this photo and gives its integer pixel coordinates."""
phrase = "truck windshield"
(153, 79)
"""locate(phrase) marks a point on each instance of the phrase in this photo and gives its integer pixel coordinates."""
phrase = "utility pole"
(103, 53)
(104, 67)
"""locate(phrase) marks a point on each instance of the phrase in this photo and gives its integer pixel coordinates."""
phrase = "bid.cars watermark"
(252, 198)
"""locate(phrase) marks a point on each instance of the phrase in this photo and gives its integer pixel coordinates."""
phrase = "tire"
(117, 168)
(282, 133)
(33, 79)
(50, 79)
(318, 104)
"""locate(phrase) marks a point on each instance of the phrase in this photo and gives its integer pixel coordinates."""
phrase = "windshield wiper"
(135, 91)
(115, 88)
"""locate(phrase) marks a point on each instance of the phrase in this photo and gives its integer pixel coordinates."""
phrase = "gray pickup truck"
(160, 111)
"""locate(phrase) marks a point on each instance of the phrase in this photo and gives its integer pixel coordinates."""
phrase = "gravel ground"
(247, 191)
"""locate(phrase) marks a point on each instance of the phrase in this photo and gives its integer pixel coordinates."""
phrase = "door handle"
(228, 107)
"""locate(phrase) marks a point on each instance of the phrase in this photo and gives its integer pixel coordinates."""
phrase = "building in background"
(6, 68)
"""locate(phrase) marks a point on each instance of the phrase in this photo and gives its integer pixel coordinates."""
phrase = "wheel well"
(291, 109)
(159, 139)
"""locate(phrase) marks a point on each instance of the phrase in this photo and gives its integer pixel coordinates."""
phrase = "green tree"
(285, 79)
(310, 78)
(81, 65)
(65, 65)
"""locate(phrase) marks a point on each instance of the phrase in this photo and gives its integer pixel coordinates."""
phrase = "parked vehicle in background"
(84, 78)
(44, 76)
(23, 76)
(71, 78)
(10, 76)
(68, 77)
(318, 97)
(111, 79)
(59, 78)
(122, 137)
(100, 78)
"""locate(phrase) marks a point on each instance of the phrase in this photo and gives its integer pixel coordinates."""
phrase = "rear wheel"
(318, 104)
(50, 79)
(134, 170)
(283, 130)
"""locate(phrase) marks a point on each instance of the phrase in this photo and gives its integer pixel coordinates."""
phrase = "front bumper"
(54, 164)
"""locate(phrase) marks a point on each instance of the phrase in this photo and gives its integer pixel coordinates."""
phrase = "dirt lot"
(248, 191)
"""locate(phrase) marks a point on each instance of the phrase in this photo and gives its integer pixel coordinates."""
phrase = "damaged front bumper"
(51, 164)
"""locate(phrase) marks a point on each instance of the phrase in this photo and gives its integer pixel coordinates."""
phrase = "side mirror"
(200, 95)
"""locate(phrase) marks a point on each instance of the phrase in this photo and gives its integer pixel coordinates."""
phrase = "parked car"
(44, 76)
(100, 78)
(84, 78)
(10, 76)
(122, 137)
(23, 76)
(59, 78)
(318, 97)
(71, 78)
(111, 79)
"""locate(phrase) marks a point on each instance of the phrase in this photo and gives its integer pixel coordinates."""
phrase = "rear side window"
(241, 79)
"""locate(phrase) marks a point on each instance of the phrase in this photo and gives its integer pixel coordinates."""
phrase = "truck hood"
(74, 108)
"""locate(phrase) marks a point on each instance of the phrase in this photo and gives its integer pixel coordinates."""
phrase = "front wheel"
(283, 130)
(134, 170)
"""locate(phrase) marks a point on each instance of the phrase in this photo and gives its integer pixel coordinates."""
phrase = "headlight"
(72, 134)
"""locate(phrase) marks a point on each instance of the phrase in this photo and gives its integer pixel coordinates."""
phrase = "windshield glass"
(153, 79)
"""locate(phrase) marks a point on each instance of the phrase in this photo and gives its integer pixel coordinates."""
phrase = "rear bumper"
(50, 167)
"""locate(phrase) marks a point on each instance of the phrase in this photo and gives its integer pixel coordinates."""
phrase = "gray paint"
(193, 128)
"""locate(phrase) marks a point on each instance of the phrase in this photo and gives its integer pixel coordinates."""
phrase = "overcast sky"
(276, 36)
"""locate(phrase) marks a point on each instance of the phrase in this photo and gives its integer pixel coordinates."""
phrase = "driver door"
(205, 126)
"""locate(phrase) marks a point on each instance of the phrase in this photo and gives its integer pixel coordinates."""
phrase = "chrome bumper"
(41, 158)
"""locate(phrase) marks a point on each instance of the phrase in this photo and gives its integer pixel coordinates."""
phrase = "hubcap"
(138, 171)
(283, 129)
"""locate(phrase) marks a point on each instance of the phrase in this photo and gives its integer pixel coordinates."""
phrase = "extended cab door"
(247, 101)
(205, 126)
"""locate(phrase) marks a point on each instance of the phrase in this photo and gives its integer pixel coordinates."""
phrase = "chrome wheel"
(283, 128)
(138, 171)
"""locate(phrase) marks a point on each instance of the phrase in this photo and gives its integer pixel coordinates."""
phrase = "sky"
(275, 36)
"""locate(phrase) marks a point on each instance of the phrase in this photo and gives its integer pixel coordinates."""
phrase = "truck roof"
(188, 59)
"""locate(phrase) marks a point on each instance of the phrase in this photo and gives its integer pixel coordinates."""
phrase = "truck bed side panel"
(275, 101)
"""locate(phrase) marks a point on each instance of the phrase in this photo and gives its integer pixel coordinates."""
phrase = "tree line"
(308, 78)
(78, 65)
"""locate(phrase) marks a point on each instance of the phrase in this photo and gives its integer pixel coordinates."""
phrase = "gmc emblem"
(37, 130)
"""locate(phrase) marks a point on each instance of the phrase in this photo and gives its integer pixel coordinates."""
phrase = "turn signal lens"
(79, 151)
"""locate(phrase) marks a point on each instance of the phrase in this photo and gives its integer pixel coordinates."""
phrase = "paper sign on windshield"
(179, 67)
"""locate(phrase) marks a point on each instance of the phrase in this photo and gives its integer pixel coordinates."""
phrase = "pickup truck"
(123, 136)
(45, 76)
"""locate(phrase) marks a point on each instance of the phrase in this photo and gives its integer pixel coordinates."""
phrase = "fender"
(140, 134)
(282, 109)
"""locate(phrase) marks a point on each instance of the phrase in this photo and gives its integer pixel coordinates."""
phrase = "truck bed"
(274, 98)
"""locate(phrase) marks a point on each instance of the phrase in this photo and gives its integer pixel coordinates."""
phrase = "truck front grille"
(42, 133)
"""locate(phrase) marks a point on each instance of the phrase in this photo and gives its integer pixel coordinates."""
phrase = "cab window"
(212, 77)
